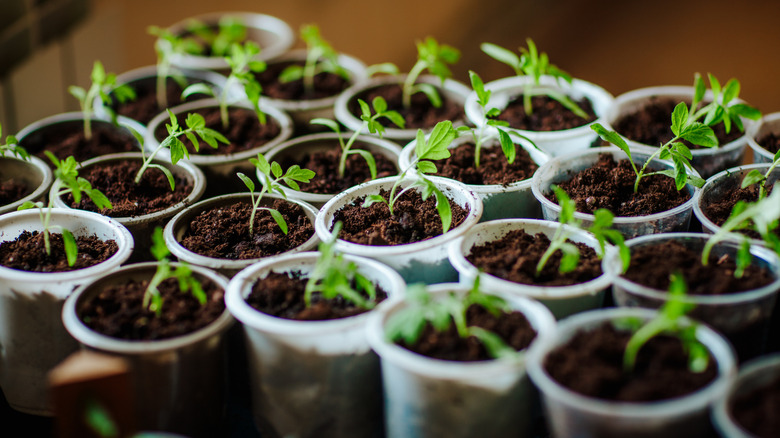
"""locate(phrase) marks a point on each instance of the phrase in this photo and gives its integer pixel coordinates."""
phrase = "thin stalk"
(255, 203)
(345, 149)
(762, 187)
(309, 70)
(87, 110)
(655, 154)
(527, 94)
(409, 83)
(559, 237)
(162, 95)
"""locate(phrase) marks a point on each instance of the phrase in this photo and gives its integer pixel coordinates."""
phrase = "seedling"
(102, 84)
(320, 58)
(183, 274)
(196, 127)
(433, 57)
(670, 320)
(370, 122)
(67, 172)
(333, 276)
(535, 64)
(756, 177)
(231, 31)
(407, 325)
(12, 146)
(721, 109)
(568, 223)
(166, 46)
(761, 216)
(242, 66)
(434, 148)
(272, 174)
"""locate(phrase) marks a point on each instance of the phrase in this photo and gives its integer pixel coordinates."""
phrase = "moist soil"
(493, 166)
(609, 184)
(414, 220)
(12, 190)
(144, 107)
(325, 164)
(325, 84)
(67, 139)
(115, 180)
(27, 252)
(770, 142)
(651, 125)
(591, 364)
(651, 266)
(118, 310)
(513, 328)
(757, 410)
(223, 232)
(244, 131)
(718, 210)
(547, 114)
(514, 258)
(420, 115)
(281, 295)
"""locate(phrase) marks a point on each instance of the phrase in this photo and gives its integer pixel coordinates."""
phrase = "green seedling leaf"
(434, 58)
(71, 248)
(183, 274)
(279, 219)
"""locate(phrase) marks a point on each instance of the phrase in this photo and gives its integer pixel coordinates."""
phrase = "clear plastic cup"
(770, 123)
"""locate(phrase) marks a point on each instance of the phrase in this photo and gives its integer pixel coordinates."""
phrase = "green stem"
(309, 70)
(345, 149)
(762, 186)
(162, 95)
(527, 94)
(411, 78)
(559, 237)
(655, 154)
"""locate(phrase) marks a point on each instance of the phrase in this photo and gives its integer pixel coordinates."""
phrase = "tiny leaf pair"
(183, 274)
(433, 57)
(103, 86)
(320, 58)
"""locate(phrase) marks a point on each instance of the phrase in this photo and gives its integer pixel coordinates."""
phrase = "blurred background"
(46, 45)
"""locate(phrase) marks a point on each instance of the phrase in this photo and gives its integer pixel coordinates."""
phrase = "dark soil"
(224, 232)
(144, 108)
(512, 327)
(325, 84)
(12, 190)
(281, 295)
(610, 185)
(66, 139)
(719, 210)
(547, 114)
(28, 253)
(651, 266)
(414, 220)
(244, 131)
(757, 411)
(421, 114)
(651, 125)
(115, 180)
(514, 258)
(118, 311)
(770, 142)
(493, 166)
(325, 164)
(591, 363)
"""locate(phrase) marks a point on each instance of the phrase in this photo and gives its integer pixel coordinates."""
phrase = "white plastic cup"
(34, 173)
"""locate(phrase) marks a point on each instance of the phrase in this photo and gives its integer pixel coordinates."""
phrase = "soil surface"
(591, 363)
(757, 411)
(493, 166)
(770, 142)
(128, 199)
(514, 258)
(12, 190)
(325, 84)
(651, 266)
(281, 295)
(512, 327)
(66, 139)
(27, 252)
(325, 164)
(421, 114)
(414, 220)
(610, 185)
(244, 131)
(719, 210)
(118, 311)
(547, 114)
(144, 108)
(652, 125)
(224, 232)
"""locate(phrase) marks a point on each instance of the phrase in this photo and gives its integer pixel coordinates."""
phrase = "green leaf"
(370, 199)
(443, 207)
(430, 91)
(98, 198)
(291, 73)
(679, 118)
(753, 177)
(379, 104)
(279, 219)
(568, 207)
(611, 137)
(745, 111)
(436, 147)
(494, 345)
(158, 249)
(71, 248)
(507, 146)
(700, 134)
(571, 256)
(501, 54)
(699, 89)
(364, 108)
(195, 121)
(178, 150)
(370, 161)
(331, 124)
(426, 167)
(198, 88)
(385, 68)
(730, 91)
(247, 181)
(78, 92)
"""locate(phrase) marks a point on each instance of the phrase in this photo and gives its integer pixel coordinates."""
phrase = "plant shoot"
(102, 84)
(434, 58)
(187, 282)
(320, 58)
(12, 147)
(756, 177)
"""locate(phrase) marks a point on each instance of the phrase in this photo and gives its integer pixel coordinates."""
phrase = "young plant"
(600, 229)
(434, 148)
(433, 57)
(333, 277)
(242, 68)
(12, 146)
(102, 84)
(187, 282)
(371, 123)
(196, 127)
(721, 109)
(756, 177)
(535, 64)
(67, 172)
(320, 58)
(230, 31)
(166, 46)
(669, 320)
(762, 216)
(407, 325)
(272, 174)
